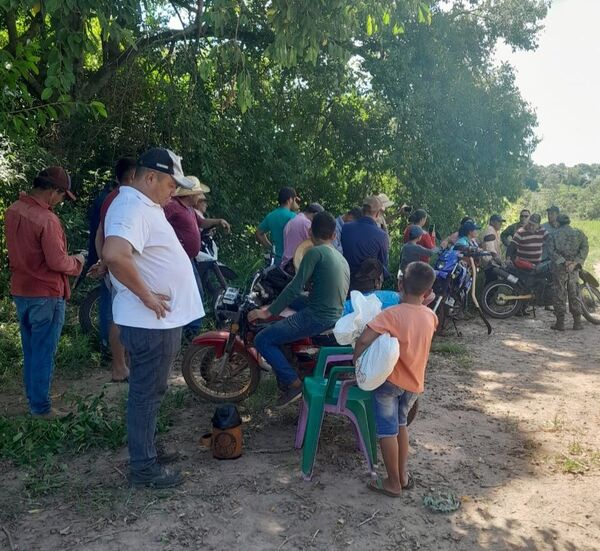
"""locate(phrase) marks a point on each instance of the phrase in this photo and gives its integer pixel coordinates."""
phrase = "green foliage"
(94, 424)
(338, 98)
(576, 190)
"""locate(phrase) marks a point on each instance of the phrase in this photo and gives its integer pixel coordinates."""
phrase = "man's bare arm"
(262, 238)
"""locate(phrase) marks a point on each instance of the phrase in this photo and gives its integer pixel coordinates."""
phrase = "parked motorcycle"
(214, 275)
(455, 286)
(514, 288)
(224, 366)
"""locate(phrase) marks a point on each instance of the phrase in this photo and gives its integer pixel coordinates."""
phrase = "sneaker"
(156, 476)
(288, 396)
(165, 456)
(50, 415)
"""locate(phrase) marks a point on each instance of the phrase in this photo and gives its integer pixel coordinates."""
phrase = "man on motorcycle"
(453, 237)
(275, 222)
(567, 248)
(329, 277)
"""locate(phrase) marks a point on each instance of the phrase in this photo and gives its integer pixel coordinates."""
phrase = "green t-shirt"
(274, 223)
(329, 274)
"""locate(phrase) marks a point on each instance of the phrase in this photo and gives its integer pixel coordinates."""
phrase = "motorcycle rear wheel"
(496, 308)
(227, 379)
(590, 303)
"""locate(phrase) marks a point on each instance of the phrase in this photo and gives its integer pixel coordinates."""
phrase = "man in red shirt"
(40, 266)
(180, 213)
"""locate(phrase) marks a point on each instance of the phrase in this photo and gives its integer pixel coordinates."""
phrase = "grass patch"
(264, 396)
(76, 352)
(95, 424)
(591, 228)
(578, 459)
(556, 425)
(456, 351)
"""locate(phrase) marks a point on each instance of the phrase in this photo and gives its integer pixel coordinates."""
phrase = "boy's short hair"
(123, 167)
(418, 278)
(323, 226)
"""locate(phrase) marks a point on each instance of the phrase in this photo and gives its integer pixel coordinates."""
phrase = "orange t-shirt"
(413, 325)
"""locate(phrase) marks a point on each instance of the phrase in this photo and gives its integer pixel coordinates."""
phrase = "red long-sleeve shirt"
(37, 250)
(184, 222)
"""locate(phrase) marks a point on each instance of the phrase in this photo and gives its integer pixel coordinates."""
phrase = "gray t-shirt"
(411, 252)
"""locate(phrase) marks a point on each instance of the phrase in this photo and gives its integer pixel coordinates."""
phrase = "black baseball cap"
(165, 161)
(553, 208)
(535, 218)
(496, 218)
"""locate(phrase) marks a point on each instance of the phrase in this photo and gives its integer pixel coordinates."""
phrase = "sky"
(561, 81)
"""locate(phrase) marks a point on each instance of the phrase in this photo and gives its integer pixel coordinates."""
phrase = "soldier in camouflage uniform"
(567, 250)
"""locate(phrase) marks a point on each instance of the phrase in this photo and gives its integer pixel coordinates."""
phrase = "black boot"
(560, 324)
(577, 325)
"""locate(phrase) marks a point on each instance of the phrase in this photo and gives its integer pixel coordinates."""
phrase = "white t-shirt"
(160, 259)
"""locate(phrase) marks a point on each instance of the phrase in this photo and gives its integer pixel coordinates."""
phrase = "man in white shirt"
(156, 295)
(493, 247)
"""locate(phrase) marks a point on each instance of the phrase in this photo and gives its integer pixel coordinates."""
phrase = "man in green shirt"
(276, 220)
(329, 276)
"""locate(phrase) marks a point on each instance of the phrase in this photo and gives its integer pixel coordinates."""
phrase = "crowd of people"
(145, 236)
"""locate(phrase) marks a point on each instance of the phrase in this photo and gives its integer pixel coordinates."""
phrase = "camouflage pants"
(564, 285)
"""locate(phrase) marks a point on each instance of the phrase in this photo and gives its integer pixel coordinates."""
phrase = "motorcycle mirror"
(490, 237)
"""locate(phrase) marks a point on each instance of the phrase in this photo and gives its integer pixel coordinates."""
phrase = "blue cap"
(414, 232)
(469, 226)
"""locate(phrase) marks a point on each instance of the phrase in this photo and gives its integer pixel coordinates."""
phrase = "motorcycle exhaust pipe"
(506, 275)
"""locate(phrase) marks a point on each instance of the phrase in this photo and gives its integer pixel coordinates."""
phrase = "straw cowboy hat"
(385, 200)
(198, 188)
(301, 251)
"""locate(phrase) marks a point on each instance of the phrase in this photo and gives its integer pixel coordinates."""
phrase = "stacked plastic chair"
(326, 393)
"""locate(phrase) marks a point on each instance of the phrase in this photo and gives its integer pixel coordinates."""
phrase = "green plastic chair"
(340, 397)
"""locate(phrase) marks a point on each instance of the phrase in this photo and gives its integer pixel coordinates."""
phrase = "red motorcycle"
(224, 366)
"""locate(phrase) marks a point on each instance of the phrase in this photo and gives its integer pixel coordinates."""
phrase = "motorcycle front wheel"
(590, 303)
(494, 305)
(230, 378)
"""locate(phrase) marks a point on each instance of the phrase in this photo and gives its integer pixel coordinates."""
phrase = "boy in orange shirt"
(413, 325)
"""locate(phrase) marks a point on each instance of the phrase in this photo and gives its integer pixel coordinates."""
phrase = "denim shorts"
(392, 405)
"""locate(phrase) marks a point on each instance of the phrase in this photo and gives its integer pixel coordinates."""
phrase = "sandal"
(410, 484)
(377, 487)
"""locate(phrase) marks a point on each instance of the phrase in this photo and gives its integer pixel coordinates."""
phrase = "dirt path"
(497, 427)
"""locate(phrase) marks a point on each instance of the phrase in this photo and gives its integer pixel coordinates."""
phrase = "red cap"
(59, 178)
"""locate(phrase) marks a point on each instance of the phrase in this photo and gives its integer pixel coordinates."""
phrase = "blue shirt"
(364, 239)
(387, 298)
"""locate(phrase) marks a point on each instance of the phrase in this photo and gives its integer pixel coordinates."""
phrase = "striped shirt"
(529, 244)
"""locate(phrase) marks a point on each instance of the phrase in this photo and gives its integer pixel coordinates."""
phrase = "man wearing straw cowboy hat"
(180, 213)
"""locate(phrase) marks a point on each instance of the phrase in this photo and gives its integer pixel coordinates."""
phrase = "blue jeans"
(105, 313)
(151, 355)
(193, 328)
(392, 405)
(268, 342)
(41, 321)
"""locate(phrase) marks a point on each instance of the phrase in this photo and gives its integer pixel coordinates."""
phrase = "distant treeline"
(576, 189)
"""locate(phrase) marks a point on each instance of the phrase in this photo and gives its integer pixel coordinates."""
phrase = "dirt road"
(502, 426)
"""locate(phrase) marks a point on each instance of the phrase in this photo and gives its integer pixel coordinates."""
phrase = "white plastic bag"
(377, 362)
(349, 327)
